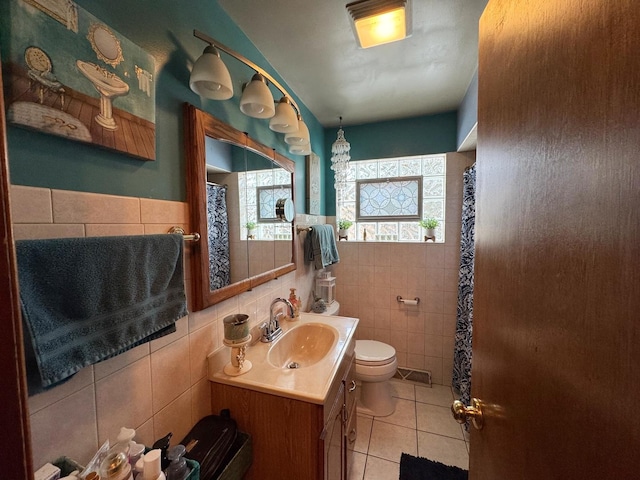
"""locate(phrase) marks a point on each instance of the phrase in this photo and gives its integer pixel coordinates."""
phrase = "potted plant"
(430, 225)
(343, 226)
(251, 229)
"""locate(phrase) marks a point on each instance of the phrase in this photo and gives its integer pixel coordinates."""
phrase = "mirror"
(233, 183)
(105, 44)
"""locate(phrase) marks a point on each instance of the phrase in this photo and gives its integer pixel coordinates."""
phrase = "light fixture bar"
(206, 38)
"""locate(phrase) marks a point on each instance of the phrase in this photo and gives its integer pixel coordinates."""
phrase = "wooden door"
(14, 441)
(557, 299)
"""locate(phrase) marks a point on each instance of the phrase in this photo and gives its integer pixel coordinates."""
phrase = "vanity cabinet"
(293, 438)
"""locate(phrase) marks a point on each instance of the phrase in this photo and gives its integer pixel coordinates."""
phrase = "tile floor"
(421, 425)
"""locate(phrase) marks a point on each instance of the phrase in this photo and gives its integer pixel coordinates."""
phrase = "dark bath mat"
(418, 468)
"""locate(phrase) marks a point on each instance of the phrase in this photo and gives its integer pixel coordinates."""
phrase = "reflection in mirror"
(228, 261)
(233, 181)
(265, 183)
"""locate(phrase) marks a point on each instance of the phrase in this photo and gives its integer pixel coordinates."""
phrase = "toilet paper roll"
(410, 302)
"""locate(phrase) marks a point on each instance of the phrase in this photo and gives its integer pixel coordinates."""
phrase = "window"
(258, 192)
(386, 197)
(267, 198)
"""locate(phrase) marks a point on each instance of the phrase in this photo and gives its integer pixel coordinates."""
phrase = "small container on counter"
(236, 328)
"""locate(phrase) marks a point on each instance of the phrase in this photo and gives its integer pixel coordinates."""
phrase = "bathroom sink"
(303, 346)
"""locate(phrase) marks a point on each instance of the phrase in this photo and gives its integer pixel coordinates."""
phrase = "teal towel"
(84, 300)
(320, 246)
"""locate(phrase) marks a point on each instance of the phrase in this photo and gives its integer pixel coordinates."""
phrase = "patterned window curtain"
(218, 236)
(464, 325)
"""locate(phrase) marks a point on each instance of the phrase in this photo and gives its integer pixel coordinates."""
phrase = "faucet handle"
(277, 318)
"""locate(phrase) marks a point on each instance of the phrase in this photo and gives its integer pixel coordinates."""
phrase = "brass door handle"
(461, 413)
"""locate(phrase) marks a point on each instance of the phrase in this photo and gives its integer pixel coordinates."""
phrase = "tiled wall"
(371, 275)
(157, 387)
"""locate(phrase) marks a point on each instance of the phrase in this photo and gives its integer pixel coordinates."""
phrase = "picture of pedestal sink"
(52, 73)
(109, 86)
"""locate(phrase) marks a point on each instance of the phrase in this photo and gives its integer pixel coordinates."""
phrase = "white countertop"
(310, 384)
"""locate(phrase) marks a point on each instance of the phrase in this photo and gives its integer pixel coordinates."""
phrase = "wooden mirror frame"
(199, 125)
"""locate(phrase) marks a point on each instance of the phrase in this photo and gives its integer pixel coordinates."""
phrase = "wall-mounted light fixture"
(211, 79)
(376, 22)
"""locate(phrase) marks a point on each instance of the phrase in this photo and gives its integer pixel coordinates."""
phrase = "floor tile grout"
(371, 475)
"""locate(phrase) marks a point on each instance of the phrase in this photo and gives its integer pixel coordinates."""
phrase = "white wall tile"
(170, 369)
(123, 399)
(175, 418)
(67, 427)
(31, 205)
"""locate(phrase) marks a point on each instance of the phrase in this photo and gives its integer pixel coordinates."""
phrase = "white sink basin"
(317, 343)
(303, 346)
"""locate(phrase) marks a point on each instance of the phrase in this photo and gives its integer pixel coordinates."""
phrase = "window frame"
(395, 229)
(389, 218)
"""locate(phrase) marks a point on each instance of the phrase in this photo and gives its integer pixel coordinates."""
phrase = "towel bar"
(193, 237)
(303, 229)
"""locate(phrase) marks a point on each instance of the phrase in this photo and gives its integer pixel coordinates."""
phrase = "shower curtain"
(464, 324)
(218, 236)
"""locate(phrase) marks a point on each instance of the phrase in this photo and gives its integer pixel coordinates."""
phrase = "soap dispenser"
(152, 470)
(295, 303)
(178, 469)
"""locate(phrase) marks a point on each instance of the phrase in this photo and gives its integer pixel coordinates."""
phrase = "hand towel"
(320, 246)
(84, 300)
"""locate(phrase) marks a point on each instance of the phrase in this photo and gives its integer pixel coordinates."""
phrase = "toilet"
(376, 363)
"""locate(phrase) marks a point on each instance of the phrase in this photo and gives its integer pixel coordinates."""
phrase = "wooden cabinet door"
(333, 439)
(350, 431)
(556, 334)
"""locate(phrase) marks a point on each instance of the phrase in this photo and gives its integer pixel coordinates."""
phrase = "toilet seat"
(372, 353)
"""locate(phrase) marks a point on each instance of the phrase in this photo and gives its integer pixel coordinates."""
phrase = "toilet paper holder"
(415, 301)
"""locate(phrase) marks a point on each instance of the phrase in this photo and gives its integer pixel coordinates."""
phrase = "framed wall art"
(313, 184)
(71, 75)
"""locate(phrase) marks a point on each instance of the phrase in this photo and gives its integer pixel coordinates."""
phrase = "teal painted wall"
(164, 29)
(423, 135)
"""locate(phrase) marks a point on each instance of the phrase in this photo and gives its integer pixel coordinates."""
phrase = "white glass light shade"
(300, 136)
(285, 120)
(300, 149)
(376, 22)
(257, 100)
(210, 77)
(381, 28)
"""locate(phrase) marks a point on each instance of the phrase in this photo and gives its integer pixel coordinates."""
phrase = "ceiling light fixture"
(376, 22)
(210, 78)
(340, 160)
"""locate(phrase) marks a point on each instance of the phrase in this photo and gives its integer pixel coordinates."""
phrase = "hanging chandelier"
(340, 159)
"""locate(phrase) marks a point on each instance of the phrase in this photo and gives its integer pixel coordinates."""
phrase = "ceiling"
(310, 43)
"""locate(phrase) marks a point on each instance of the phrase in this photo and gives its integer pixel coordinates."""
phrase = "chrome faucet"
(271, 329)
